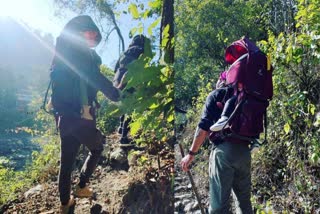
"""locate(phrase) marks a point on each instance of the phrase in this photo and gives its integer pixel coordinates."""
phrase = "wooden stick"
(194, 188)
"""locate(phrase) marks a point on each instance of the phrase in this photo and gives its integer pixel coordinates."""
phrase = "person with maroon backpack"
(249, 89)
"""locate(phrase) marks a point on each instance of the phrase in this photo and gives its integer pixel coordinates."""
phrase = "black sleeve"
(84, 63)
(211, 112)
(105, 86)
(101, 83)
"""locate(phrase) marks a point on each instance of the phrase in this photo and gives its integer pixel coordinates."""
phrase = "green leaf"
(314, 157)
(153, 25)
(286, 128)
(133, 10)
(132, 32)
(153, 106)
(165, 35)
(170, 118)
(140, 28)
(263, 42)
(139, 74)
(155, 4)
(135, 126)
(312, 109)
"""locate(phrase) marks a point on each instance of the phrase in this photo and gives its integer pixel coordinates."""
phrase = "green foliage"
(151, 102)
(11, 182)
(106, 123)
(42, 167)
(142, 11)
(133, 10)
(148, 95)
(285, 172)
(44, 162)
(203, 31)
(296, 59)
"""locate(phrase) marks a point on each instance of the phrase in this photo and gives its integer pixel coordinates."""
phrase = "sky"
(39, 14)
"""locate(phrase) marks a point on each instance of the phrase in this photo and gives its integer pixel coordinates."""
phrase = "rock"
(188, 207)
(33, 191)
(84, 201)
(48, 212)
(189, 186)
(180, 188)
(178, 197)
(195, 205)
(177, 206)
(177, 179)
(187, 201)
(177, 184)
(133, 157)
(119, 155)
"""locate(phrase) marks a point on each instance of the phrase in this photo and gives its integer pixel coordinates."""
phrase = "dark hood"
(138, 40)
(80, 24)
(238, 48)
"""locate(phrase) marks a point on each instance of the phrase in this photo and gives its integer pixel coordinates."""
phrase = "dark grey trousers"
(73, 133)
(230, 169)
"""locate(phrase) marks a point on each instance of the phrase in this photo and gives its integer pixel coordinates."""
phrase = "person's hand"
(186, 161)
(122, 83)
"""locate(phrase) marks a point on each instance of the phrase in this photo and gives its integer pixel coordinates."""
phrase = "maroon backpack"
(249, 66)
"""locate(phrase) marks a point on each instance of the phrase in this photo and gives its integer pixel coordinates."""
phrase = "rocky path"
(185, 199)
(110, 188)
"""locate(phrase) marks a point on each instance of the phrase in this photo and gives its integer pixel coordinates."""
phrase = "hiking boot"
(84, 192)
(64, 209)
(119, 130)
(220, 124)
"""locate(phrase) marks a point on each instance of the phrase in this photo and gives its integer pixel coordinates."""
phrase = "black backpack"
(136, 48)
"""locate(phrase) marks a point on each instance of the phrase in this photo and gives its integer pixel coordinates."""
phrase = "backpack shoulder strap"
(46, 97)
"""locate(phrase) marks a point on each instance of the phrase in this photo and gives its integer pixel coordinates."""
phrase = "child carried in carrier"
(248, 85)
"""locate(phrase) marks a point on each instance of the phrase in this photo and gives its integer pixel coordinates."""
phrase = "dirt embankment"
(129, 187)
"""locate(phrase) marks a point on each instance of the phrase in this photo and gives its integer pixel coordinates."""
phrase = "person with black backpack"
(76, 78)
(135, 49)
(249, 85)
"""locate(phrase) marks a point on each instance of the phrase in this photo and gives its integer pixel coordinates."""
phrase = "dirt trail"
(139, 189)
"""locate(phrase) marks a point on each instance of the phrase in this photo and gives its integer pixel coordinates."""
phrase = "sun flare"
(11, 9)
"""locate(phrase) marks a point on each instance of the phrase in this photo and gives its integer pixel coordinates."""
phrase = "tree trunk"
(167, 19)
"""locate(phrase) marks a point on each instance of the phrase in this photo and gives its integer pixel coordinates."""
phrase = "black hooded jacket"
(135, 49)
(75, 61)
